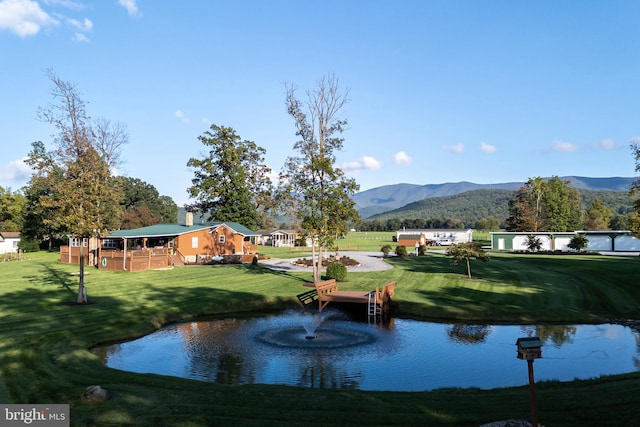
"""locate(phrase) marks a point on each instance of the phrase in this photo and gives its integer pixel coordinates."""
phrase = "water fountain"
(313, 331)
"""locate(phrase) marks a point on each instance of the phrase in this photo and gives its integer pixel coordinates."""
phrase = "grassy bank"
(44, 340)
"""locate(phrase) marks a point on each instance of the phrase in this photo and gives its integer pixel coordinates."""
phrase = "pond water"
(404, 355)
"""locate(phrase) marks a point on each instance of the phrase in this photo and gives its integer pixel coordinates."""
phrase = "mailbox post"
(529, 349)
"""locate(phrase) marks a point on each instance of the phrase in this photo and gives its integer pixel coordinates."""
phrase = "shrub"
(422, 250)
(385, 250)
(337, 270)
(254, 261)
(29, 245)
(401, 251)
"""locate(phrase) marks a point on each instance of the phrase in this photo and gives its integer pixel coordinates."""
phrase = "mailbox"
(529, 348)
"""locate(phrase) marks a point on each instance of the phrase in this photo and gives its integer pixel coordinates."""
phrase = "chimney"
(189, 219)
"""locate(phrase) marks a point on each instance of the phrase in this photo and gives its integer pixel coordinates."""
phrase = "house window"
(109, 244)
(75, 242)
(194, 242)
(221, 238)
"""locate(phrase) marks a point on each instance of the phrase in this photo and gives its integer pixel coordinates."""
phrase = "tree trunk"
(468, 268)
(316, 255)
(82, 297)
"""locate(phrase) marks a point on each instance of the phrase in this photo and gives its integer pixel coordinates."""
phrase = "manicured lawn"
(44, 340)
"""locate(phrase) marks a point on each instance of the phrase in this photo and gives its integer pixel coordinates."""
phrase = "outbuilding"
(606, 241)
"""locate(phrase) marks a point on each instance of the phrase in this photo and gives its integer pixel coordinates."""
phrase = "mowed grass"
(44, 340)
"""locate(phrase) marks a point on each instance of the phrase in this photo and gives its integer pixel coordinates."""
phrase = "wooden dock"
(328, 291)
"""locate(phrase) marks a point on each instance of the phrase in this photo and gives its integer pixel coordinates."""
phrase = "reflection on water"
(406, 355)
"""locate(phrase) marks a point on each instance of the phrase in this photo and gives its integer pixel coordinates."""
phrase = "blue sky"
(440, 91)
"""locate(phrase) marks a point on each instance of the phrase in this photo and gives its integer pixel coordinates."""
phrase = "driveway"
(369, 261)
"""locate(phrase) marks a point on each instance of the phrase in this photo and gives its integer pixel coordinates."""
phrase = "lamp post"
(529, 349)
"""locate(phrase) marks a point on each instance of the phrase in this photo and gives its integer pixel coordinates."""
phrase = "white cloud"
(605, 144)
(401, 158)
(487, 148)
(564, 147)
(456, 149)
(131, 6)
(24, 17)
(371, 164)
(15, 171)
(80, 38)
(85, 25)
(180, 115)
(367, 162)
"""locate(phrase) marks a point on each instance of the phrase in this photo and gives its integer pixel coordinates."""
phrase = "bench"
(329, 291)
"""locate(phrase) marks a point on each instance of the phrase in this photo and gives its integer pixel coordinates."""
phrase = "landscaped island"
(45, 337)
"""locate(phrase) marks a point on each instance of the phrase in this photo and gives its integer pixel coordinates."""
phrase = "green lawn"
(44, 340)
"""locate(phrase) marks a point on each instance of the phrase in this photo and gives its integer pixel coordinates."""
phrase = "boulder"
(95, 393)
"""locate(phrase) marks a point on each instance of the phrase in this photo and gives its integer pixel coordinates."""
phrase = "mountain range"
(387, 198)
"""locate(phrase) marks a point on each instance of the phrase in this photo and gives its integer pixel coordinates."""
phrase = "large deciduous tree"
(545, 205)
(11, 206)
(317, 192)
(82, 200)
(231, 182)
(597, 216)
(143, 205)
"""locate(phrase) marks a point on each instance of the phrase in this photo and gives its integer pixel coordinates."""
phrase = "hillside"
(386, 198)
(473, 205)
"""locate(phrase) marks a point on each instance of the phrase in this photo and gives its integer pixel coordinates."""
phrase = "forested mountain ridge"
(474, 205)
(389, 197)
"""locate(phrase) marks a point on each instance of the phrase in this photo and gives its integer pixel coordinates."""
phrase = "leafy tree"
(534, 244)
(465, 252)
(44, 183)
(317, 192)
(578, 242)
(83, 201)
(545, 206)
(597, 216)
(561, 206)
(11, 207)
(231, 183)
(489, 223)
(142, 204)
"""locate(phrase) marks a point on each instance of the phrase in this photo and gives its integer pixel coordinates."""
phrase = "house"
(286, 238)
(610, 240)
(164, 245)
(435, 236)
(9, 242)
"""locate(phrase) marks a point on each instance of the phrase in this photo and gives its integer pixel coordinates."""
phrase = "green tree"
(533, 243)
(489, 223)
(578, 242)
(561, 206)
(43, 183)
(231, 183)
(597, 216)
(142, 204)
(545, 206)
(11, 207)
(315, 191)
(465, 252)
(84, 201)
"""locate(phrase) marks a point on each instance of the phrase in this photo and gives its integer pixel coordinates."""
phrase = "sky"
(439, 91)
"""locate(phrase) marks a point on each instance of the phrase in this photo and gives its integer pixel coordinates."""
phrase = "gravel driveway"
(369, 261)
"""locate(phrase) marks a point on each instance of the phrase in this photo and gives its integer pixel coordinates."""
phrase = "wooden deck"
(328, 291)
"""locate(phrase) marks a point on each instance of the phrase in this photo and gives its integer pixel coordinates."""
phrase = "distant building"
(9, 242)
(433, 236)
(605, 241)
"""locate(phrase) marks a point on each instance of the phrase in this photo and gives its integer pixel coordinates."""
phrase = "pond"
(331, 351)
